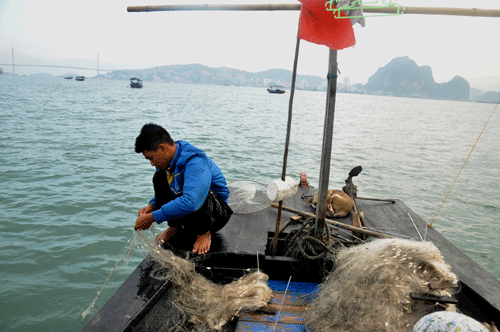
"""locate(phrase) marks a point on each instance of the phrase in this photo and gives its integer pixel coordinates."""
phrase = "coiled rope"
(302, 243)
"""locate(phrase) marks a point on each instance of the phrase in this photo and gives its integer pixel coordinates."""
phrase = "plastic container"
(278, 190)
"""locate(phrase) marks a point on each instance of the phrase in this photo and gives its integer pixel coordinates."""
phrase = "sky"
(58, 30)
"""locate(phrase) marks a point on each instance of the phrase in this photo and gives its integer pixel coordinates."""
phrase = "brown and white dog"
(338, 203)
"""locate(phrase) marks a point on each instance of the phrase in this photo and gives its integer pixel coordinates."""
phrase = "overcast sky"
(252, 41)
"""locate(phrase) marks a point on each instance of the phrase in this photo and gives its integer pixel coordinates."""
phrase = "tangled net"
(369, 290)
(203, 304)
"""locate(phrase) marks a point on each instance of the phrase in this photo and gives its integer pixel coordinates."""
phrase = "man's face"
(161, 157)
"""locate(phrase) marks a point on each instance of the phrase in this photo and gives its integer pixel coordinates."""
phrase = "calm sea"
(71, 184)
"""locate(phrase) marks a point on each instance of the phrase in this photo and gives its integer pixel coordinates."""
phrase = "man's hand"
(145, 210)
(144, 221)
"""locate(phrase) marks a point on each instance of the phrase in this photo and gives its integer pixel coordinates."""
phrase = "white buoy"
(278, 190)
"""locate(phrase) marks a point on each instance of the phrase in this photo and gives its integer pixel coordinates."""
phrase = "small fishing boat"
(80, 78)
(68, 77)
(257, 241)
(276, 89)
(135, 83)
(144, 303)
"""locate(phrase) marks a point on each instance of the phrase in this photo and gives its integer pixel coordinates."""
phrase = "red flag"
(319, 26)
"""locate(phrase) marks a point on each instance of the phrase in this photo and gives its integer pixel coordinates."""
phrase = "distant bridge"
(55, 66)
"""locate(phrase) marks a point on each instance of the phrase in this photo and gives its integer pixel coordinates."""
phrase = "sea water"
(71, 183)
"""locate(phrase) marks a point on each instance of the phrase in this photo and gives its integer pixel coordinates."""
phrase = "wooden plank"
(292, 286)
(367, 9)
(261, 326)
(339, 224)
(287, 308)
(291, 299)
(289, 314)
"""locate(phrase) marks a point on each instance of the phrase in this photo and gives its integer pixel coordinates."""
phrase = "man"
(190, 190)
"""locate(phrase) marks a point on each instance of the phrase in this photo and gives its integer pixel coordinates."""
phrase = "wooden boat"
(135, 83)
(68, 77)
(257, 241)
(80, 78)
(244, 245)
(276, 89)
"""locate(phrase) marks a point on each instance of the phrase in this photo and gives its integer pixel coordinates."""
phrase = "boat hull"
(135, 83)
(275, 91)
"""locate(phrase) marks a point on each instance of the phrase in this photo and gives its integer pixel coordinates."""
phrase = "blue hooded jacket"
(194, 175)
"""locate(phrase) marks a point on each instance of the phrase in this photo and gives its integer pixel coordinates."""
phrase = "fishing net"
(126, 253)
(369, 290)
(200, 303)
(247, 196)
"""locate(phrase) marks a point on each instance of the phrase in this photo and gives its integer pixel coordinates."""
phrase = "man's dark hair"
(151, 137)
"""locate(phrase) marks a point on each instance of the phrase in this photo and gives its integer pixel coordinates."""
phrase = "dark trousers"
(212, 216)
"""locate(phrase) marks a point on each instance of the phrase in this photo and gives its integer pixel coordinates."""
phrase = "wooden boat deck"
(285, 311)
(142, 302)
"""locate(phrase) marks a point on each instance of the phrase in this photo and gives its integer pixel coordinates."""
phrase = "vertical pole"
(324, 175)
(13, 70)
(287, 143)
(97, 64)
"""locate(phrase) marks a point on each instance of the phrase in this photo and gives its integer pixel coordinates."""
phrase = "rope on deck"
(302, 243)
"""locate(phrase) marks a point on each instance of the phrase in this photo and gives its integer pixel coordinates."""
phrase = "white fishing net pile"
(369, 290)
(202, 303)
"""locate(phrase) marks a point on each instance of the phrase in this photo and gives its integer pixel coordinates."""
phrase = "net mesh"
(204, 305)
(201, 305)
(247, 196)
(369, 290)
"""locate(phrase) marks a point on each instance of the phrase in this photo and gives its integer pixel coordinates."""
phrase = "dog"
(338, 203)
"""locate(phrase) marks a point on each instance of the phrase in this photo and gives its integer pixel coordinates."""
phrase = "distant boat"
(80, 78)
(135, 82)
(68, 77)
(276, 89)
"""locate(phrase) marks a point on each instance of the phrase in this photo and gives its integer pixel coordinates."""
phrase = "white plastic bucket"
(278, 190)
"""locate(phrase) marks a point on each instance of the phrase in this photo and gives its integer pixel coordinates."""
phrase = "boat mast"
(324, 173)
(287, 143)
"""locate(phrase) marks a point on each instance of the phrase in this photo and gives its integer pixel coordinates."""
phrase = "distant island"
(401, 77)
(404, 78)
